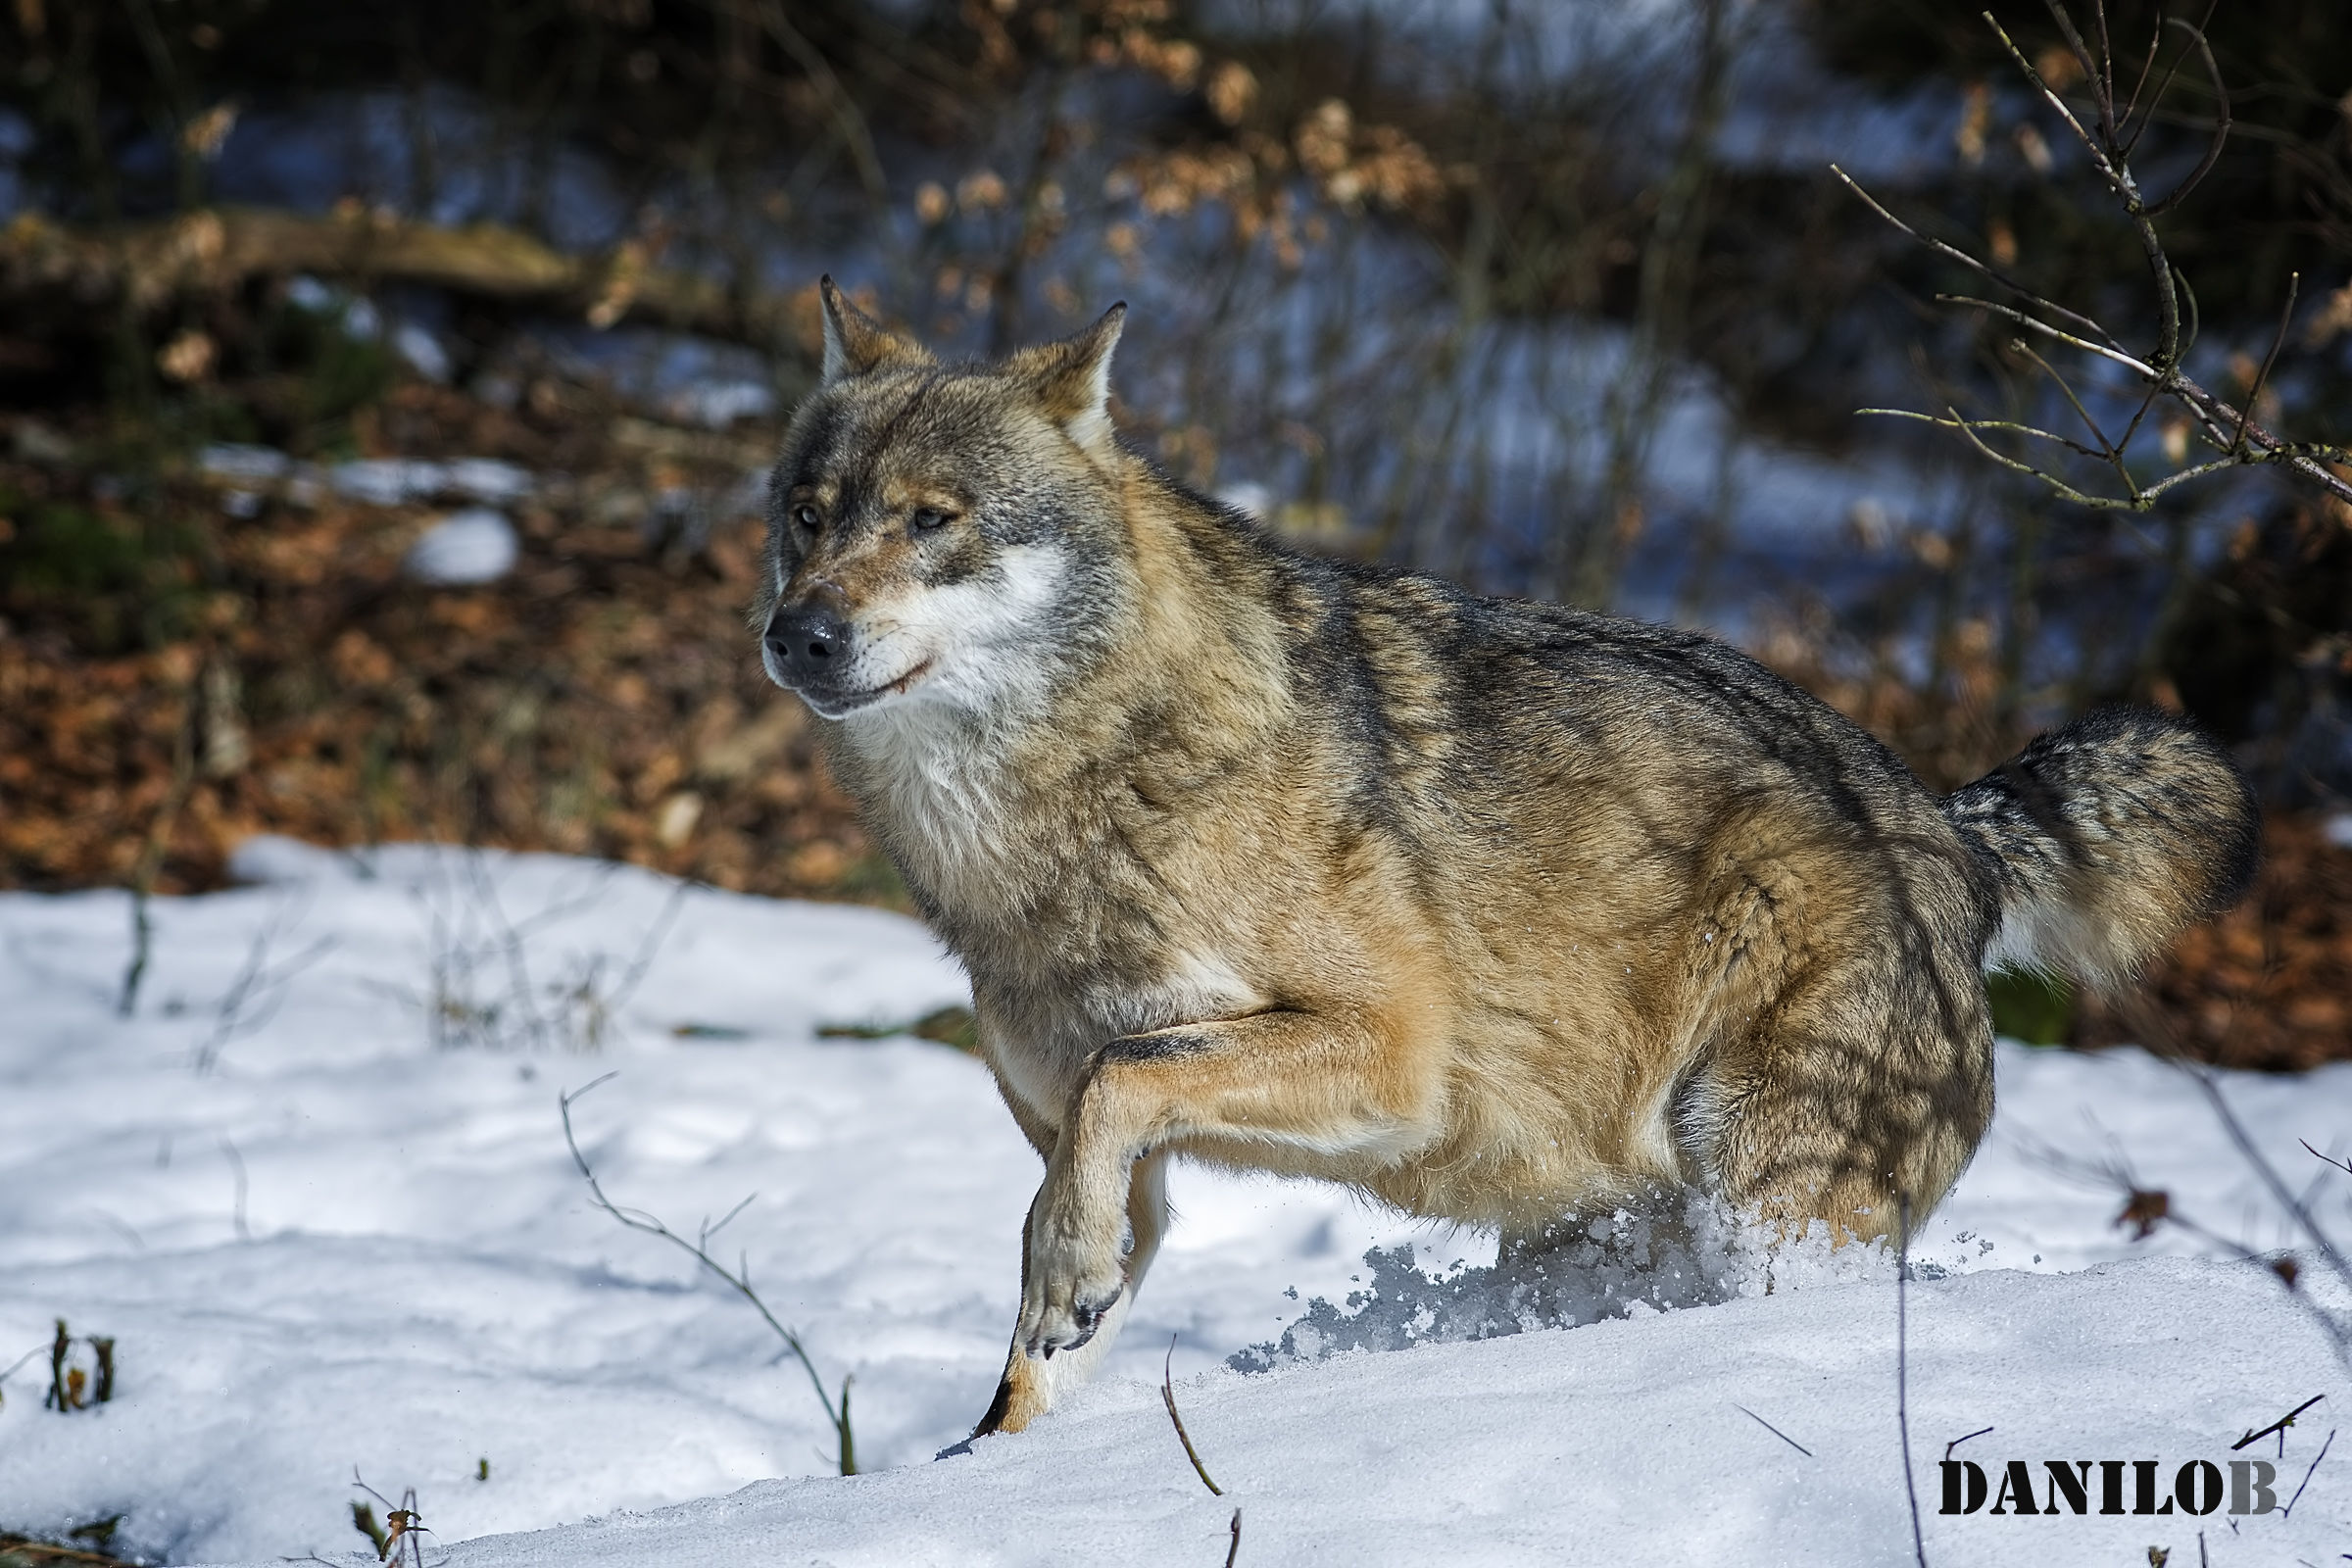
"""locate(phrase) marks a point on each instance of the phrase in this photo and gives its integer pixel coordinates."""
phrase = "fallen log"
(216, 250)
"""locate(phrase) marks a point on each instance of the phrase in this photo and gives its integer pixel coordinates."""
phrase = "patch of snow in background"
(474, 546)
(486, 479)
(386, 481)
(240, 464)
(321, 1242)
(716, 404)
(372, 481)
(424, 352)
(17, 136)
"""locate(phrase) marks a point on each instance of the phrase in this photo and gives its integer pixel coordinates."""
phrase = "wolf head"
(941, 534)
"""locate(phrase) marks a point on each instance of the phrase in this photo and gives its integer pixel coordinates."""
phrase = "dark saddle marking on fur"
(1168, 1047)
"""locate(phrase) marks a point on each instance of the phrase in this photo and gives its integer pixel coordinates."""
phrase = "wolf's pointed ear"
(1072, 379)
(855, 343)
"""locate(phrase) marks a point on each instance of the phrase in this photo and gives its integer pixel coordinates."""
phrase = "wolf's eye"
(927, 519)
(806, 516)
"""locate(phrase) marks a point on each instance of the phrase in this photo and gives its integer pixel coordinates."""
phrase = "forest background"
(385, 391)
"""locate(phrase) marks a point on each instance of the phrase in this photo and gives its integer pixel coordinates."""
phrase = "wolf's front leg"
(1027, 1390)
(1334, 1084)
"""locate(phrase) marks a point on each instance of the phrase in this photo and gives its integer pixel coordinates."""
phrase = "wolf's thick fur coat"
(1486, 908)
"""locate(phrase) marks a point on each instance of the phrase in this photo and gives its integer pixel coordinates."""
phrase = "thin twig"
(2344, 1165)
(256, 977)
(2307, 1475)
(1956, 1442)
(510, 947)
(1769, 1427)
(2280, 1426)
(2146, 64)
(1167, 1395)
(1954, 253)
(18, 1366)
(152, 853)
(2121, 183)
(2102, 92)
(838, 1415)
(2220, 126)
(2232, 430)
(236, 1165)
(651, 943)
(848, 124)
(2161, 1042)
(2328, 1252)
(1234, 1549)
(1902, 1375)
(2155, 47)
(2078, 497)
(2287, 316)
(1985, 424)
(2108, 450)
(2010, 313)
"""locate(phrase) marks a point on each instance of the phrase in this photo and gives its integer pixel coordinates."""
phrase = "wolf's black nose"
(808, 643)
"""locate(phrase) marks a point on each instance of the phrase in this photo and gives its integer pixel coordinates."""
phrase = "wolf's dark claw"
(1089, 1315)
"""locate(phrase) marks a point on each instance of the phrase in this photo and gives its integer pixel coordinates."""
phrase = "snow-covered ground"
(317, 1191)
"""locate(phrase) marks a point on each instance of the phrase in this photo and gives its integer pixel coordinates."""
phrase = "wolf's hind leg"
(1865, 1091)
(1030, 1382)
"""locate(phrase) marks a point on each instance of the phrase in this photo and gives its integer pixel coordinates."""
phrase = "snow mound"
(1758, 1431)
(1668, 1251)
(315, 1190)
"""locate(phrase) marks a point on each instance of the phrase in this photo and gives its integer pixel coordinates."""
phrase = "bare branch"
(740, 1280)
(1167, 1395)
(2010, 313)
(2304, 1221)
(2146, 402)
(2118, 176)
(2108, 450)
(2104, 76)
(2102, 90)
(2155, 47)
(1902, 1375)
(648, 946)
(2340, 1164)
(1954, 253)
(2308, 1474)
(2280, 1425)
(2169, 72)
(2220, 126)
(1769, 1427)
(258, 978)
(2099, 502)
(848, 124)
(1956, 1442)
(1985, 424)
(2237, 442)
(2099, 153)
(2169, 481)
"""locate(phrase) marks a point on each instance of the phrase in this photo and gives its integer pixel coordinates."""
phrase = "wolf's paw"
(1068, 1296)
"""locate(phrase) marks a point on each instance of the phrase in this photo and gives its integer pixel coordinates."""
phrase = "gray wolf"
(1487, 909)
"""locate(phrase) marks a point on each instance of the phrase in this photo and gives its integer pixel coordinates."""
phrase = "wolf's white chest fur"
(944, 791)
(948, 794)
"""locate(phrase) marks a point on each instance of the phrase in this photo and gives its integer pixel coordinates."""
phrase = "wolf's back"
(2108, 838)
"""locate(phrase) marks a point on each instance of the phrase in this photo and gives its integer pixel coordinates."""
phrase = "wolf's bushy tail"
(2108, 838)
